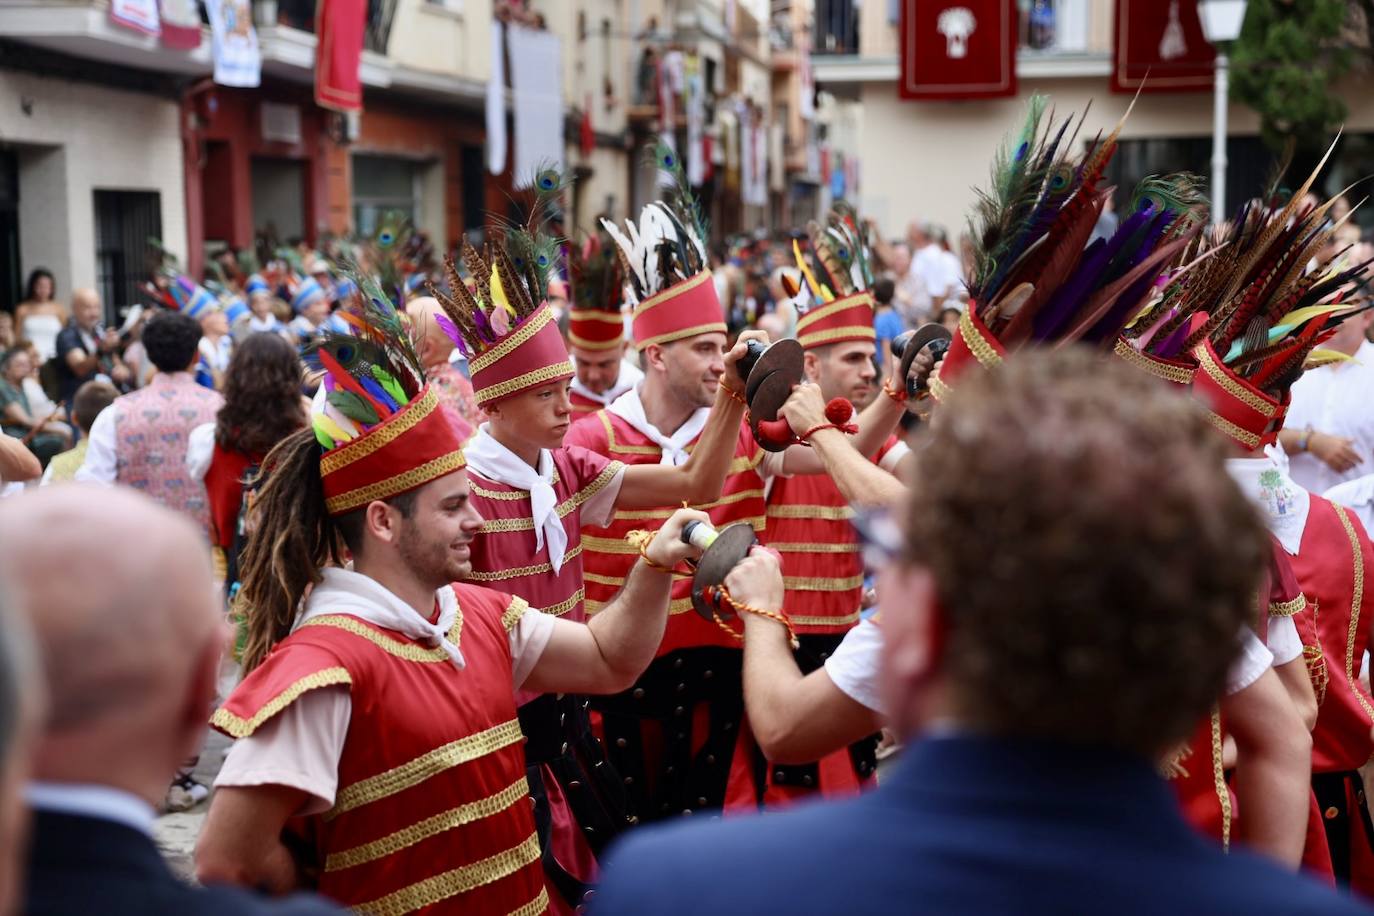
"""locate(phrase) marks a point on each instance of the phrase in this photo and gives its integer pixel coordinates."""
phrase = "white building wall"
(78, 138)
(921, 160)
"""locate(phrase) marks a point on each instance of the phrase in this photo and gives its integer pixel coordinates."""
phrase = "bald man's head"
(124, 610)
(86, 307)
(433, 345)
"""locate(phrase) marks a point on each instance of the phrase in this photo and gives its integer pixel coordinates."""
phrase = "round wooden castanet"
(924, 336)
(765, 405)
(732, 545)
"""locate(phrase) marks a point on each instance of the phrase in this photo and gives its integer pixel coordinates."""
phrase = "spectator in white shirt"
(1329, 433)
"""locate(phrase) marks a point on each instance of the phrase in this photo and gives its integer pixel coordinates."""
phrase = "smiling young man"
(379, 751)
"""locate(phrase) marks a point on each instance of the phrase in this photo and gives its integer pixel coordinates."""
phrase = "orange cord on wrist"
(735, 396)
(720, 593)
(897, 394)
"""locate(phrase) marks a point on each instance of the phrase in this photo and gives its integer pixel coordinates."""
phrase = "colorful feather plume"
(597, 274)
(840, 262)
(368, 375)
(1035, 276)
(668, 243)
(506, 281)
(1265, 290)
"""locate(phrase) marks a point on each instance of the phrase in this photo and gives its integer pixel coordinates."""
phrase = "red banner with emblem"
(339, 54)
(1159, 46)
(957, 49)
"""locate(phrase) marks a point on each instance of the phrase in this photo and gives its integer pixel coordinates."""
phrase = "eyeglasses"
(880, 537)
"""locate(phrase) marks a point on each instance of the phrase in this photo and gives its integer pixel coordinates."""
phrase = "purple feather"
(451, 332)
(1174, 342)
(484, 330)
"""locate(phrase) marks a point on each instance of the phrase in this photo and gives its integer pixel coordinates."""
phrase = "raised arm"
(861, 481)
(876, 422)
(606, 654)
(702, 477)
(795, 718)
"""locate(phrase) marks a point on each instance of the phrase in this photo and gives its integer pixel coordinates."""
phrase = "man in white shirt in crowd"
(1329, 433)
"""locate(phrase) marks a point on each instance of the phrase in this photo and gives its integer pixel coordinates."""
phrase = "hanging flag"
(339, 28)
(139, 15)
(496, 101)
(806, 104)
(234, 43)
(1164, 40)
(180, 24)
(957, 49)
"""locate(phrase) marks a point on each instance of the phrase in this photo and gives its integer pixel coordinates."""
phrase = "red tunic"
(608, 557)
(504, 557)
(1331, 566)
(678, 737)
(432, 807)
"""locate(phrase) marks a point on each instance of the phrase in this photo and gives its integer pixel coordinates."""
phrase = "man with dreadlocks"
(535, 494)
(378, 748)
(679, 738)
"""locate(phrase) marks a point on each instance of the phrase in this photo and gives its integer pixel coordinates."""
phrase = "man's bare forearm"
(861, 481)
(629, 629)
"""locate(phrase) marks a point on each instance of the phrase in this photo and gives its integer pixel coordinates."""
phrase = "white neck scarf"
(1283, 503)
(495, 462)
(630, 376)
(630, 408)
(342, 591)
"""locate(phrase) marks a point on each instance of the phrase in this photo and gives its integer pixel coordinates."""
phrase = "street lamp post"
(1221, 23)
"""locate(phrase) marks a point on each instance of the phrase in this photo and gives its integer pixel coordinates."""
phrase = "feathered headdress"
(664, 258)
(598, 293)
(501, 322)
(832, 299)
(1259, 295)
(402, 258)
(1036, 279)
(375, 417)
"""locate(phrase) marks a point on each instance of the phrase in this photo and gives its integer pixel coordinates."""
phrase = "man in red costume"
(379, 753)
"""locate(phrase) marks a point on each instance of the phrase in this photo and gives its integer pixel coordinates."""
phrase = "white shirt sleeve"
(1251, 661)
(299, 747)
(101, 465)
(600, 508)
(200, 450)
(894, 457)
(528, 640)
(1284, 643)
(855, 664)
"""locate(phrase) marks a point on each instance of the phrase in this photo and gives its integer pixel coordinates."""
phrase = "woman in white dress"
(40, 316)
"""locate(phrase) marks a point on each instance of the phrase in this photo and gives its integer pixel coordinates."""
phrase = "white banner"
(537, 94)
(496, 101)
(234, 42)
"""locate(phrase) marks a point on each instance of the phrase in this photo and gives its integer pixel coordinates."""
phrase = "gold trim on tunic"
(240, 727)
(426, 766)
(453, 882)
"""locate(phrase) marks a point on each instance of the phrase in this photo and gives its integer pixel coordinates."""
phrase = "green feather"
(353, 407)
(389, 383)
(322, 437)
